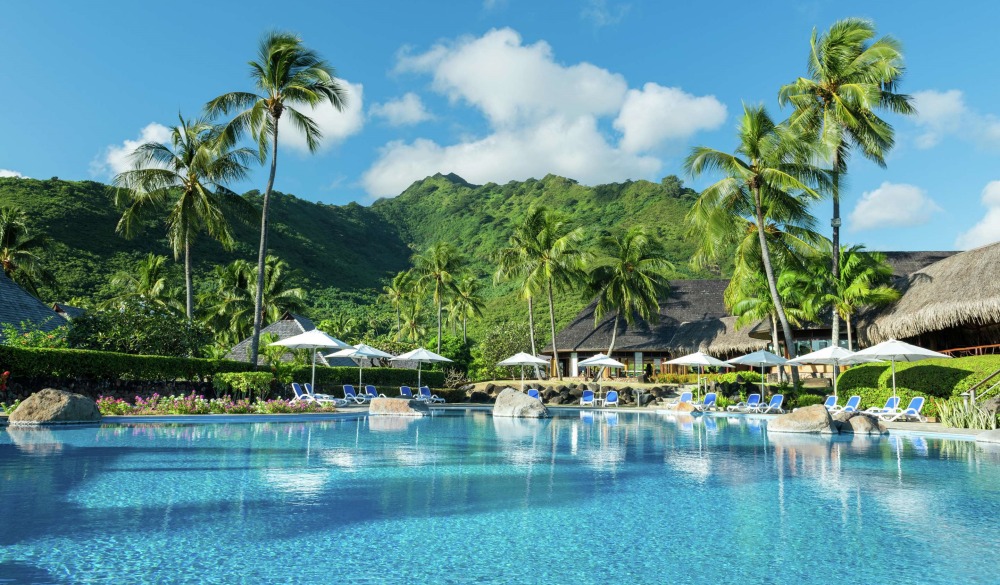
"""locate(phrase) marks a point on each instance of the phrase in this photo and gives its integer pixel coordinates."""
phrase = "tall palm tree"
(852, 75)
(147, 282)
(769, 182)
(398, 291)
(435, 269)
(516, 260)
(188, 179)
(467, 302)
(629, 277)
(412, 328)
(287, 75)
(21, 250)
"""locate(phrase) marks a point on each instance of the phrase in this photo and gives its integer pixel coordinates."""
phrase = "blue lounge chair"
(831, 402)
(533, 392)
(372, 392)
(611, 399)
(405, 392)
(309, 391)
(588, 398)
(891, 404)
(753, 401)
(425, 394)
(912, 411)
(684, 397)
(773, 406)
(303, 395)
(852, 405)
(352, 396)
(708, 403)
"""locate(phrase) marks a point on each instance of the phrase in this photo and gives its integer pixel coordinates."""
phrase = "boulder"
(554, 400)
(645, 399)
(467, 387)
(859, 423)
(576, 392)
(490, 388)
(990, 437)
(55, 407)
(399, 407)
(810, 419)
(512, 403)
(479, 397)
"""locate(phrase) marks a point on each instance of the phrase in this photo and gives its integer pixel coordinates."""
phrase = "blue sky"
(499, 90)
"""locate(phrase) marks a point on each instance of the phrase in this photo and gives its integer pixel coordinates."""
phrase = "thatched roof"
(289, 325)
(67, 312)
(906, 263)
(688, 301)
(717, 337)
(18, 305)
(960, 290)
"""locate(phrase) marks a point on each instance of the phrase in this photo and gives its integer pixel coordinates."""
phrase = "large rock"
(992, 437)
(810, 419)
(859, 423)
(479, 397)
(512, 403)
(55, 407)
(399, 407)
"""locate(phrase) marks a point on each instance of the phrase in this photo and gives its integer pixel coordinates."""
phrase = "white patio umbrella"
(831, 355)
(700, 360)
(603, 361)
(312, 339)
(898, 351)
(421, 356)
(762, 358)
(360, 352)
(523, 359)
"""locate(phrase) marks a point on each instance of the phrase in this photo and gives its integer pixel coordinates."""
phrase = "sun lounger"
(708, 403)
(852, 405)
(588, 398)
(611, 399)
(533, 392)
(912, 411)
(352, 396)
(684, 397)
(372, 392)
(831, 402)
(891, 404)
(753, 401)
(771, 407)
(405, 392)
(305, 395)
(425, 394)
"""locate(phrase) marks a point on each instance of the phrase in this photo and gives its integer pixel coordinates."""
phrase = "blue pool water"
(465, 498)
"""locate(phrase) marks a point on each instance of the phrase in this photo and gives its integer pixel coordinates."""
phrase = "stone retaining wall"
(19, 389)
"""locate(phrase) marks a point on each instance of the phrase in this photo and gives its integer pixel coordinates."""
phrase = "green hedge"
(936, 378)
(105, 365)
(389, 377)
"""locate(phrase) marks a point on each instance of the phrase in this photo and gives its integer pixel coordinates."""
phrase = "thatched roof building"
(289, 325)
(717, 337)
(18, 306)
(954, 302)
(68, 312)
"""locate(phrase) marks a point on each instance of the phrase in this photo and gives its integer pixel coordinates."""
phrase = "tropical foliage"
(21, 250)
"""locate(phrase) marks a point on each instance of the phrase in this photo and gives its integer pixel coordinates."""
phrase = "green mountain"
(348, 252)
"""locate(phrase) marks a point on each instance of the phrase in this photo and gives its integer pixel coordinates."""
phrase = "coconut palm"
(467, 302)
(767, 183)
(186, 179)
(864, 280)
(515, 262)
(21, 250)
(435, 269)
(287, 76)
(412, 327)
(148, 282)
(629, 277)
(852, 75)
(398, 291)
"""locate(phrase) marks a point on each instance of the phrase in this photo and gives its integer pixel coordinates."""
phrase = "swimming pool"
(586, 497)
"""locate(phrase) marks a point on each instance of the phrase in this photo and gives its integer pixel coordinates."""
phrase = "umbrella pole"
(762, 382)
(418, 375)
(836, 370)
(522, 378)
(314, 371)
(359, 373)
(893, 362)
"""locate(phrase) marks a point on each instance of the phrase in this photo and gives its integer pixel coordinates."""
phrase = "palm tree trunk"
(772, 283)
(258, 315)
(531, 333)
(552, 324)
(465, 333)
(439, 325)
(835, 223)
(187, 277)
(850, 339)
(774, 336)
(614, 332)
(397, 319)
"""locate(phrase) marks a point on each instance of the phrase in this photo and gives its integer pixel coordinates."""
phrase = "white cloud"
(945, 113)
(655, 113)
(115, 158)
(543, 116)
(336, 126)
(893, 205)
(601, 14)
(404, 111)
(9, 173)
(987, 230)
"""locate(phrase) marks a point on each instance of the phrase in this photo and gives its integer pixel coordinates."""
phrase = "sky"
(500, 90)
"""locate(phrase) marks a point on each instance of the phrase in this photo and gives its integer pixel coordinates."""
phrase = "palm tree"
(629, 277)
(187, 178)
(399, 291)
(851, 76)
(287, 75)
(516, 260)
(147, 283)
(864, 280)
(412, 329)
(21, 250)
(467, 302)
(761, 186)
(435, 268)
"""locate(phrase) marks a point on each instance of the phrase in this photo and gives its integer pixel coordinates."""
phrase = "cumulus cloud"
(404, 111)
(893, 205)
(602, 13)
(336, 126)
(10, 173)
(543, 116)
(945, 113)
(987, 230)
(655, 113)
(115, 158)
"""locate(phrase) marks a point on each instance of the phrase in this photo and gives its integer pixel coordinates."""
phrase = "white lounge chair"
(912, 411)
(753, 401)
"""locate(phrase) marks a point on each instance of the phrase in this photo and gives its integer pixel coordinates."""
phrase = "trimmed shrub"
(748, 377)
(104, 365)
(243, 384)
(800, 400)
(935, 378)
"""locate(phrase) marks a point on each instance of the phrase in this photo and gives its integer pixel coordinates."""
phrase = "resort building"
(287, 326)
(19, 306)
